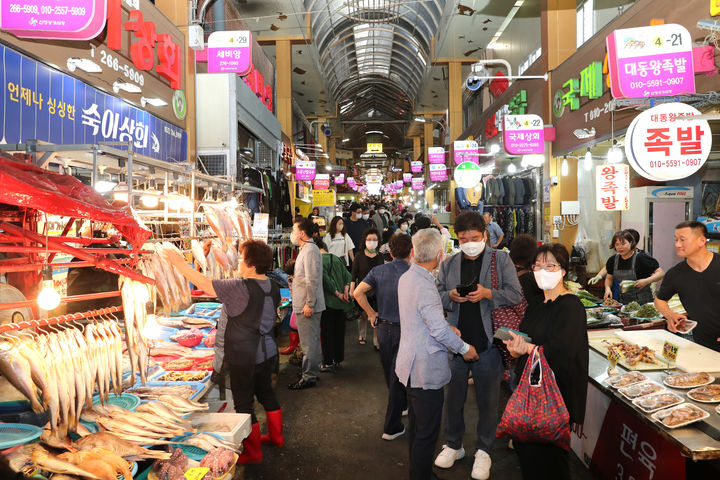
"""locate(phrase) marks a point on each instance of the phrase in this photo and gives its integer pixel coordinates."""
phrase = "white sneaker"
(481, 467)
(447, 457)
(405, 412)
(393, 436)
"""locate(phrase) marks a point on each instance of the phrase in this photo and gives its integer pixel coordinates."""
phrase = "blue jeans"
(487, 376)
(389, 339)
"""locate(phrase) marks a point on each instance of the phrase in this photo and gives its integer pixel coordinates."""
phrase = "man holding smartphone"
(464, 284)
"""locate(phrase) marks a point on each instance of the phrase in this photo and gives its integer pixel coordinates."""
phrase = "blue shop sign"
(41, 103)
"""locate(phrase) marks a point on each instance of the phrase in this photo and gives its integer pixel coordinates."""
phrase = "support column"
(283, 85)
(454, 119)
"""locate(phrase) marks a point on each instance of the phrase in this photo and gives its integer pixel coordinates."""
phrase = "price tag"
(714, 7)
(613, 356)
(196, 473)
(670, 351)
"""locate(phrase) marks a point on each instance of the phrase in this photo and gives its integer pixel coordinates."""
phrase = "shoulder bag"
(508, 317)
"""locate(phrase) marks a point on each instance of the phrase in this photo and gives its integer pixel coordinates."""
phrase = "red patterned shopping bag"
(536, 412)
(508, 317)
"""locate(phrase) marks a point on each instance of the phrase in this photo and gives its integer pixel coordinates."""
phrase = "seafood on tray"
(127, 450)
(179, 364)
(640, 389)
(149, 392)
(59, 371)
(220, 461)
(625, 379)
(182, 377)
(208, 442)
(680, 415)
(634, 354)
(689, 380)
(95, 463)
(707, 393)
(651, 403)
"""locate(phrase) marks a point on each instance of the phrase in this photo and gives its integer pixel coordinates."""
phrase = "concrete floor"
(333, 431)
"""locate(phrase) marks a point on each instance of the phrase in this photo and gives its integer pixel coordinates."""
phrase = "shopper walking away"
(243, 339)
(355, 225)
(557, 324)
(365, 260)
(630, 265)
(336, 288)
(425, 339)
(386, 320)
(495, 233)
(308, 302)
(697, 282)
(339, 242)
(465, 287)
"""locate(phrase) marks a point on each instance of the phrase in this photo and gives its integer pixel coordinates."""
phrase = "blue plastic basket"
(201, 310)
(128, 401)
(12, 434)
(193, 452)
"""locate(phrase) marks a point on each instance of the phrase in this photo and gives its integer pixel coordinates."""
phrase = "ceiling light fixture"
(48, 298)
(494, 148)
(420, 119)
(615, 154)
(84, 64)
(345, 140)
(588, 160)
(564, 168)
(511, 168)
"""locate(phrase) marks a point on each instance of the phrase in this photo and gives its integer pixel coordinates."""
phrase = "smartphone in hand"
(465, 290)
(503, 333)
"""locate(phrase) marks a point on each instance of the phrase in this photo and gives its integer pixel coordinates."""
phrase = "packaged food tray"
(646, 403)
(659, 416)
(238, 425)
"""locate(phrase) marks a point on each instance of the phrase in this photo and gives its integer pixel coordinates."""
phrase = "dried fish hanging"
(135, 296)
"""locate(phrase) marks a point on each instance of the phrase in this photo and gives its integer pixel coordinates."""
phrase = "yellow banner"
(374, 148)
(323, 198)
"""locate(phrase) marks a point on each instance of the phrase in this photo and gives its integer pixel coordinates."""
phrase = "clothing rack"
(59, 319)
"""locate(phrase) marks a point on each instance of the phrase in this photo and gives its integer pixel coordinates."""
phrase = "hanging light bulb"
(565, 168)
(48, 298)
(511, 168)
(151, 198)
(615, 154)
(588, 160)
(121, 192)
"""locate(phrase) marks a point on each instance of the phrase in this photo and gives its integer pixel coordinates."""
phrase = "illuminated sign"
(374, 148)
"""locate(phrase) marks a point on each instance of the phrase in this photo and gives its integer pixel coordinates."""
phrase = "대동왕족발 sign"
(407, 177)
(523, 134)
(230, 51)
(418, 183)
(665, 143)
(651, 61)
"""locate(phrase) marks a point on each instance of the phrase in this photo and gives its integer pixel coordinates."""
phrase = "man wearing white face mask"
(380, 219)
(464, 284)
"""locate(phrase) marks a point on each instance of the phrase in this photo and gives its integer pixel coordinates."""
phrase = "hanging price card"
(196, 473)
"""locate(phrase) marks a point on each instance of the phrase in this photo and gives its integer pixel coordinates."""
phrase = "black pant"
(425, 415)
(542, 461)
(249, 381)
(332, 335)
(389, 340)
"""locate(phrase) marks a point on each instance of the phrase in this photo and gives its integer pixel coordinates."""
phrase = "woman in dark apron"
(630, 264)
(244, 345)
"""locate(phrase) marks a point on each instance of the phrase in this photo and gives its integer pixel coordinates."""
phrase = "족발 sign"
(436, 155)
(230, 51)
(438, 172)
(418, 183)
(321, 181)
(416, 167)
(612, 187)
(465, 151)
(305, 170)
(53, 19)
(664, 143)
(651, 61)
(523, 134)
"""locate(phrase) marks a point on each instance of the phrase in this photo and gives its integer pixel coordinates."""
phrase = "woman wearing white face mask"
(558, 325)
(365, 260)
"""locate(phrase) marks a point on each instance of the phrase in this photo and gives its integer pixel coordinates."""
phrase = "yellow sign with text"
(196, 473)
(670, 351)
(323, 198)
(714, 7)
(374, 148)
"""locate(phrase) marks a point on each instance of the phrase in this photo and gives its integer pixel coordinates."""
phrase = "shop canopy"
(26, 185)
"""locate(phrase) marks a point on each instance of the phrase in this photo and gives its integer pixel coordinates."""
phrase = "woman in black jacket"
(365, 259)
(558, 324)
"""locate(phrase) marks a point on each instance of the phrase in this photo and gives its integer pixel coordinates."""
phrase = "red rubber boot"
(294, 342)
(275, 428)
(252, 453)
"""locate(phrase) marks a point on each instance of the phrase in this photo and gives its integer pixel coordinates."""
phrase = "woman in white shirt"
(339, 242)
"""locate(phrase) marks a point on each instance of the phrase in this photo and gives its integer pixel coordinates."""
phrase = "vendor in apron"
(629, 264)
(243, 343)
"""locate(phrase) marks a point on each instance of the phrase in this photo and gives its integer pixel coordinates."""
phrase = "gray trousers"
(309, 331)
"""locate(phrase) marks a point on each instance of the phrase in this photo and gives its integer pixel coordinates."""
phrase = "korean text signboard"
(351, 182)
(44, 104)
(416, 167)
(465, 151)
(612, 187)
(339, 179)
(651, 61)
(663, 143)
(398, 184)
(321, 181)
(53, 19)
(438, 172)
(524, 134)
(305, 170)
(323, 198)
(418, 183)
(407, 177)
(229, 51)
(436, 155)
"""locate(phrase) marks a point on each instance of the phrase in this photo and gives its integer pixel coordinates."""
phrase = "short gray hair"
(427, 244)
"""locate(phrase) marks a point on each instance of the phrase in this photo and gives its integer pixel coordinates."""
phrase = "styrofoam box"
(239, 424)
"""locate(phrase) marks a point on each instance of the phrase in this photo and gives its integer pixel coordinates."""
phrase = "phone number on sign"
(689, 162)
(46, 10)
(657, 83)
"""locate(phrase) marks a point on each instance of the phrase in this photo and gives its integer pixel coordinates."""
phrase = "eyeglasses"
(548, 267)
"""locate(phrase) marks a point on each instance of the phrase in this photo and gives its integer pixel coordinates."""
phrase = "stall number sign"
(438, 172)
(523, 134)
(229, 51)
(612, 187)
(418, 183)
(305, 170)
(321, 181)
(663, 143)
(465, 151)
(416, 167)
(670, 351)
(436, 155)
(398, 184)
(340, 179)
(407, 177)
(351, 182)
(651, 61)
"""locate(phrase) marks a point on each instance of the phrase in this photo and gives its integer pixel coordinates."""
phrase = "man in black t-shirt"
(355, 225)
(697, 282)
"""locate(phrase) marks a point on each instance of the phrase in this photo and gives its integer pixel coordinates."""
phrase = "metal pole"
(192, 199)
(94, 166)
(130, 175)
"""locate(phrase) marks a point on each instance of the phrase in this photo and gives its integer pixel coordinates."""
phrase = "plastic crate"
(239, 425)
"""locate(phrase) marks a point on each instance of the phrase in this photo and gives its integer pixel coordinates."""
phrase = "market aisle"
(333, 431)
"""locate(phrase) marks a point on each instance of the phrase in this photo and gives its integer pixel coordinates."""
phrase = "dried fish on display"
(127, 450)
(135, 296)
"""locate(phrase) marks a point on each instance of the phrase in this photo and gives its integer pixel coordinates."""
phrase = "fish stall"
(107, 392)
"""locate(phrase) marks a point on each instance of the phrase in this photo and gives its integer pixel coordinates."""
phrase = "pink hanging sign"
(438, 173)
(304, 170)
(407, 177)
(416, 167)
(418, 183)
(53, 19)
(230, 52)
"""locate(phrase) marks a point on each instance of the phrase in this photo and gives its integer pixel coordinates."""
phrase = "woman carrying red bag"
(558, 325)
